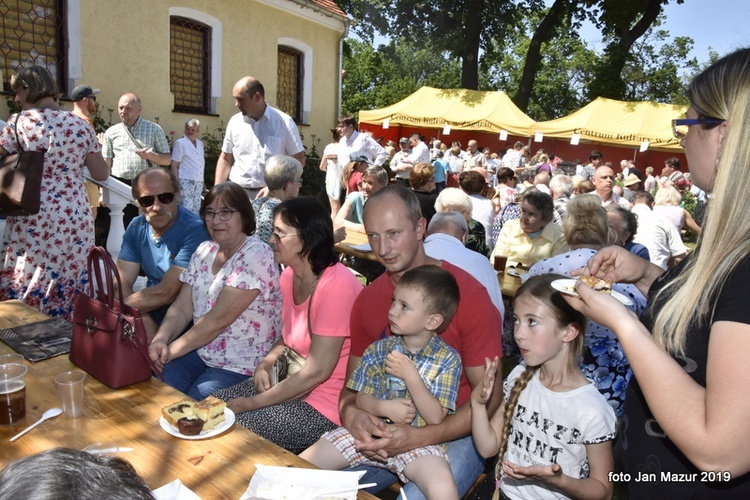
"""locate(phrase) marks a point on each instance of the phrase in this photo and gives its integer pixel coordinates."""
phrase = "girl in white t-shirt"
(554, 430)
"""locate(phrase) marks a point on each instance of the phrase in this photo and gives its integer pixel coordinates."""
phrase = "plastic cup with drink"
(12, 393)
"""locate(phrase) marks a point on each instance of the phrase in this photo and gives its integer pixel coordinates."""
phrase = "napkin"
(175, 491)
(288, 483)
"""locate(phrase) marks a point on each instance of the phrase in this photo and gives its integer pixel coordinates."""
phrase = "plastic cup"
(70, 386)
(6, 359)
(12, 393)
(500, 262)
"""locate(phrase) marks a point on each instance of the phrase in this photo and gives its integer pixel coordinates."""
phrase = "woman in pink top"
(317, 297)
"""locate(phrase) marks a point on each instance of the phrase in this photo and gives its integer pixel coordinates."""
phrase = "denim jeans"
(190, 375)
(465, 461)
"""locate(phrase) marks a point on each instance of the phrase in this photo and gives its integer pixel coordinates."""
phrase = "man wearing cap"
(397, 163)
(353, 141)
(133, 145)
(254, 135)
(84, 103)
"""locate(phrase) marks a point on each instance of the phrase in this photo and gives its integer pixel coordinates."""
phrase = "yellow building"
(182, 58)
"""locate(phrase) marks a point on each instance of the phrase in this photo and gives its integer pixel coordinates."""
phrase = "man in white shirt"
(253, 135)
(604, 180)
(656, 233)
(446, 234)
(353, 141)
(420, 152)
(513, 159)
(397, 163)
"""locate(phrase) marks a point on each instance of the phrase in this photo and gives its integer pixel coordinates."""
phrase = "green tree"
(376, 78)
(460, 28)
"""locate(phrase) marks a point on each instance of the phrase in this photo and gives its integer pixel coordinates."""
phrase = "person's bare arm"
(707, 424)
(229, 305)
(455, 426)
(175, 167)
(323, 163)
(152, 297)
(396, 410)
(163, 159)
(342, 221)
(98, 167)
(320, 363)
(300, 157)
(177, 318)
(691, 224)
(595, 487)
(223, 166)
(364, 426)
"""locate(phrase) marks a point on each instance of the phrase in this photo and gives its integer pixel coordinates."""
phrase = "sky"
(723, 25)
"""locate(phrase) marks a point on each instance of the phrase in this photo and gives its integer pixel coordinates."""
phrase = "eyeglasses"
(224, 214)
(280, 236)
(92, 97)
(680, 126)
(297, 181)
(147, 201)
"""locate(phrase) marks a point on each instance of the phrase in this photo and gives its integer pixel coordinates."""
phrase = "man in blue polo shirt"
(160, 243)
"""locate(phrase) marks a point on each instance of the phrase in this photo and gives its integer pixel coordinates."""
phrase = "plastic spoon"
(51, 413)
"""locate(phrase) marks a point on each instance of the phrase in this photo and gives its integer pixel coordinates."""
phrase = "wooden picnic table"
(218, 467)
(354, 238)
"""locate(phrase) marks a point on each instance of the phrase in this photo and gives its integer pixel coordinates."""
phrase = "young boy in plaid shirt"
(424, 302)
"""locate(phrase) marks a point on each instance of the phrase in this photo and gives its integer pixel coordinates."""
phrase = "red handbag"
(109, 338)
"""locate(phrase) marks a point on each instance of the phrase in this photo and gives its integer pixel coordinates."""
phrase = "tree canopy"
(532, 52)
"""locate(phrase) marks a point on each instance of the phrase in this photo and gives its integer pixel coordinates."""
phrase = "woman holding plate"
(688, 407)
(318, 294)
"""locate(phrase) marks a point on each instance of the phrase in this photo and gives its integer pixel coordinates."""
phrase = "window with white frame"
(189, 64)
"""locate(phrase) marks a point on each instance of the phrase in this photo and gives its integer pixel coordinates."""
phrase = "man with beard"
(159, 244)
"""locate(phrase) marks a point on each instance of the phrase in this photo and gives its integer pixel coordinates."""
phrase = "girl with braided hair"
(554, 430)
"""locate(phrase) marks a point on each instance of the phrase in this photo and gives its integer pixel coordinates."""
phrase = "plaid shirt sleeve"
(369, 376)
(445, 384)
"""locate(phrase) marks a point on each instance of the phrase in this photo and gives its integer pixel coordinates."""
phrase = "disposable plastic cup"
(12, 393)
(500, 262)
(7, 359)
(70, 386)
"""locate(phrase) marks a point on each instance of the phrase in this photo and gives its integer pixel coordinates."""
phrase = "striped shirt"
(120, 147)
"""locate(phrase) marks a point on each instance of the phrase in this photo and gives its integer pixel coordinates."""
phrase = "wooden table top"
(509, 284)
(218, 467)
(354, 238)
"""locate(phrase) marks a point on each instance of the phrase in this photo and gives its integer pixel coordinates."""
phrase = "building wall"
(124, 47)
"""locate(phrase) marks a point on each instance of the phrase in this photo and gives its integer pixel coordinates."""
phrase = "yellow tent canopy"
(462, 109)
(619, 123)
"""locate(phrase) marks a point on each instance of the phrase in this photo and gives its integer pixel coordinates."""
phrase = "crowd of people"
(402, 378)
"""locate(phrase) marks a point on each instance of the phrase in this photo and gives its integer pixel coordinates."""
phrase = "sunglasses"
(92, 97)
(164, 198)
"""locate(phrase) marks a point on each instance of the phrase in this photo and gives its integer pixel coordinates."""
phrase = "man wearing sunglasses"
(159, 244)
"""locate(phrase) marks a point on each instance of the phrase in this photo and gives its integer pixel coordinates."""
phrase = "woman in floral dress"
(45, 254)
(231, 294)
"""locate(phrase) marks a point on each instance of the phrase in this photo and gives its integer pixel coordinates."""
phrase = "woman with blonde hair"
(586, 230)
(667, 203)
(688, 408)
